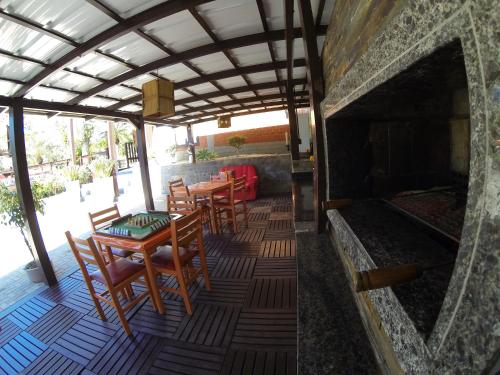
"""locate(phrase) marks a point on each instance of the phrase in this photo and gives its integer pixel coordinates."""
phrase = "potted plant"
(172, 150)
(72, 182)
(12, 215)
(237, 142)
(102, 172)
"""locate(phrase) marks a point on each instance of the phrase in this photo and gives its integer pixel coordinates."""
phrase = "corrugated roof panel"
(98, 102)
(131, 108)
(26, 42)
(212, 109)
(262, 77)
(8, 88)
(244, 95)
(232, 106)
(275, 14)
(251, 55)
(119, 92)
(126, 9)
(18, 70)
(75, 18)
(298, 49)
(180, 108)
(198, 103)
(268, 91)
(232, 18)
(177, 73)
(98, 66)
(236, 81)
(212, 63)
(50, 95)
(138, 81)
(179, 32)
(133, 49)
(181, 94)
(202, 88)
(219, 99)
(71, 81)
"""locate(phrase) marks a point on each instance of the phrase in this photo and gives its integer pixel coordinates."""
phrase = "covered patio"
(315, 191)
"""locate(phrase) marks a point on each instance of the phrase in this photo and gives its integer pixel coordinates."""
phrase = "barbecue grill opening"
(401, 152)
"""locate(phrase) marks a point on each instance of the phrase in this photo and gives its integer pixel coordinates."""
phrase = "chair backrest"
(103, 217)
(240, 183)
(86, 252)
(175, 184)
(186, 229)
(181, 203)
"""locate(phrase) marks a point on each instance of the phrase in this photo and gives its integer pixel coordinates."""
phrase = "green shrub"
(47, 189)
(205, 154)
(237, 142)
(71, 172)
(84, 175)
(102, 167)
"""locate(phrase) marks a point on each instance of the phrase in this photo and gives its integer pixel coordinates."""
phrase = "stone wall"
(274, 172)
(369, 42)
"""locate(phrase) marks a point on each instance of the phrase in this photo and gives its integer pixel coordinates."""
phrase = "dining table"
(146, 247)
(209, 189)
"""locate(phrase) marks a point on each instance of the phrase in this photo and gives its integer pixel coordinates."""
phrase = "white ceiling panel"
(98, 66)
(8, 88)
(126, 9)
(212, 63)
(119, 92)
(262, 77)
(131, 108)
(198, 103)
(244, 95)
(179, 32)
(219, 99)
(75, 18)
(133, 49)
(268, 91)
(298, 49)
(232, 106)
(180, 108)
(212, 110)
(181, 94)
(177, 73)
(229, 83)
(251, 55)
(98, 102)
(232, 18)
(71, 81)
(202, 88)
(138, 81)
(49, 94)
(16, 69)
(26, 42)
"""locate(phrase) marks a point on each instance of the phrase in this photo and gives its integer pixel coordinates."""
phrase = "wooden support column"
(191, 145)
(72, 144)
(143, 163)
(316, 94)
(23, 186)
(113, 156)
(292, 115)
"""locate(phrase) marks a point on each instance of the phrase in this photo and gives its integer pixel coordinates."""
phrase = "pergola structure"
(89, 59)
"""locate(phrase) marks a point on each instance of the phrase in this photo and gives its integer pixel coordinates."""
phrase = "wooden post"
(23, 186)
(316, 93)
(143, 164)
(191, 146)
(72, 144)
(290, 98)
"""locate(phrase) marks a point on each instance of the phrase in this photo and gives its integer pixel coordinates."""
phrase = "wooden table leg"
(110, 253)
(213, 215)
(155, 293)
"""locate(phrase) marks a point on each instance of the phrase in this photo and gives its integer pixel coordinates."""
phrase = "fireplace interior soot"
(401, 152)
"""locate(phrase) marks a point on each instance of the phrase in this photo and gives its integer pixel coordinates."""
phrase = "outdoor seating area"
(238, 313)
(264, 187)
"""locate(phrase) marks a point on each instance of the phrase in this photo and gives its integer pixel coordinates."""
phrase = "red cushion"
(163, 257)
(119, 270)
(252, 179)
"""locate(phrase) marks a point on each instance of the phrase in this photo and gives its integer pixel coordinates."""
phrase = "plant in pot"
(12, 215)
(172, 151)
(102, 172)
(71, 174)
(236, 142)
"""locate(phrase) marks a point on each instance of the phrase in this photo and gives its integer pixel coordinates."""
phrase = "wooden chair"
(117, 277)
(177, 260)
(229, 205)
(175, 185)
(182, 202)
(101, 218)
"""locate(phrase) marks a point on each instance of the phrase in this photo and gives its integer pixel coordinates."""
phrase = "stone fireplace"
(411, 119)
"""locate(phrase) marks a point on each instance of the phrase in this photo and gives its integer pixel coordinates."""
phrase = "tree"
(237, 142)
(123, 134)
(12, 215)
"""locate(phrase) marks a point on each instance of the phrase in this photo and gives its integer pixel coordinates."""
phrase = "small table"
(209, 189)
(146, 247)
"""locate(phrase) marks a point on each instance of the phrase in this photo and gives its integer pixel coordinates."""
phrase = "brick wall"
(261, 135)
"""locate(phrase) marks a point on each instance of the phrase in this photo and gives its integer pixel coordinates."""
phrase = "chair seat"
(119, 270)
(163, 257)
(225, 203)
(121, 253)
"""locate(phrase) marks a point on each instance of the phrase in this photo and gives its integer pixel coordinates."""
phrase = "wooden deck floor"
(246, 325)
